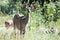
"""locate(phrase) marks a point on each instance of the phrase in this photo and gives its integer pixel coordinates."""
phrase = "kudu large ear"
(27, 7)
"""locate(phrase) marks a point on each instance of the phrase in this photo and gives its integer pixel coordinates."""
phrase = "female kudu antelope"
(20, 22)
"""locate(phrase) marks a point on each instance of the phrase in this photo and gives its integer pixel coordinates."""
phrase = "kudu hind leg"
(23, 31)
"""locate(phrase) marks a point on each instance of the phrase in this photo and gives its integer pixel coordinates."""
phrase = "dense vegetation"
(48, 13)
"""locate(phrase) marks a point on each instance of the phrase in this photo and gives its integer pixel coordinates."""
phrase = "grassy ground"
(33, 34)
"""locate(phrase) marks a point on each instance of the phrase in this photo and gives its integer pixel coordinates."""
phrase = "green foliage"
(50, 12)
(9, 6)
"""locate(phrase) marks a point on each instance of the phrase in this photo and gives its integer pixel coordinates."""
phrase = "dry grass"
(33, 34)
